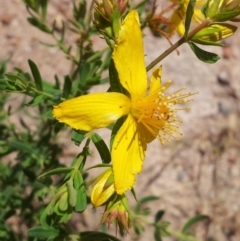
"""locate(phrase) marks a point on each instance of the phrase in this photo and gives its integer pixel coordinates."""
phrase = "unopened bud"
(214, 33)
(103, 188)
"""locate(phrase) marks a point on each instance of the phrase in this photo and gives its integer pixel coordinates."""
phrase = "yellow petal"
(102, 190)
(128, 153)
(155, 81)
(128, 56)
(92, 111)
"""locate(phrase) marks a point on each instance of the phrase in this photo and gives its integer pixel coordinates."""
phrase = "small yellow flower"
(149, 112)
(176, 21)
(103, 188)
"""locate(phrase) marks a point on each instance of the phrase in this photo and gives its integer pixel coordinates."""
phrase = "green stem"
(181, 236)
(177, 44)
(45, 94)
(166, 53)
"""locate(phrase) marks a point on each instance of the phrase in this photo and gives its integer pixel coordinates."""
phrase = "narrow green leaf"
(57, 82)
(72, 193)
(24, 147)
(3, 64)
(157, 234)
(45, 221)
(36, 101)
(225, 16)
(193, 221)
(163, 227)
(65, 217)
(43, 233)
(189, 14)
(204, 9)
(143, 201)
(67, 87)
(38, 24)
(3, 84)
(102, 148)
(203, 55)
(81, 197)
(57, 171)
(148, 199)
(159, 215)
(78, 136)
(96, 236)
(80, 10)
(62, 203)
(36, 75)
(43, 4)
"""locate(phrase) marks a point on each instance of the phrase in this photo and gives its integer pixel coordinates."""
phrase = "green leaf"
(148, 199)
(78, 136)
(81, 201)
(159, 215)
(38, 24)
(102, 148)
(36, 75)
(57, 171)
(3, 84)
(163, 227)
(36, 101)
(157, 234)
(225, 16)
(3, 64)
(189, 14)
(72, 193)
(24, 147)
(62, 204)
(43, 4)
(43, 233)
(96, 236)
(203, 55)
(204, 9)
(143, 201)
(193, 221)
(67, 87)
(80, 12)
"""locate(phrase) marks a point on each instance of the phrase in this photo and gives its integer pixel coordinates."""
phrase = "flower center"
(157, 112)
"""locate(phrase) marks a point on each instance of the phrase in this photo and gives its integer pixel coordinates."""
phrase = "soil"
(199, 174)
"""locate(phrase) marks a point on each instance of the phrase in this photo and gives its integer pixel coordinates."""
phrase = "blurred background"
(200, 173)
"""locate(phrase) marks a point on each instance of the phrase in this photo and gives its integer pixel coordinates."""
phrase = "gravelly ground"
(198, 174)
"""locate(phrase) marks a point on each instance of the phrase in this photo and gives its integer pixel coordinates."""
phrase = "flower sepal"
(117, 210)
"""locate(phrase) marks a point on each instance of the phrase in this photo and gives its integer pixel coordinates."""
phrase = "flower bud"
(222, 10)
(118, 210)
(214, 33)
(103, 188)
(107, 14)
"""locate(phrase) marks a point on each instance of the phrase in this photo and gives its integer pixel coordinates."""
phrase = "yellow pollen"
(156, 112)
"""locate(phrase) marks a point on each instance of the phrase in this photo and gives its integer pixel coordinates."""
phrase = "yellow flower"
(176, 21)
(149, 112)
